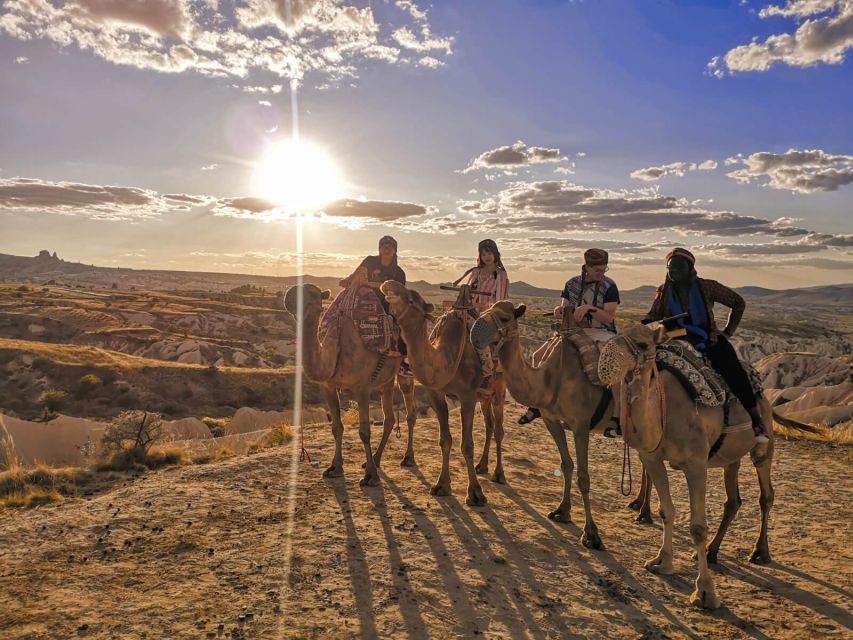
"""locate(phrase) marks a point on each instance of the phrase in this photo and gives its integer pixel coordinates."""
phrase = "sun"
(298, 176)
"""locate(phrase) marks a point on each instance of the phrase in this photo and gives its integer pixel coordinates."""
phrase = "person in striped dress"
(487, 278)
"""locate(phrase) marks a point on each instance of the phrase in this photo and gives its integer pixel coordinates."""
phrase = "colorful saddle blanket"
(695, 372)
(363, 306)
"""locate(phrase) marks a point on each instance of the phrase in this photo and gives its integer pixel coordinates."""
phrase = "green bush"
(54, 399)
(87, 385)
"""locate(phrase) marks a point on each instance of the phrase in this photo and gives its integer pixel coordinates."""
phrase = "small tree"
(87, 385)
(54, 400)
(134, 432)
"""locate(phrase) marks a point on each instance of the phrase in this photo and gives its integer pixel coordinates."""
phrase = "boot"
(614, 430)
(758, 427)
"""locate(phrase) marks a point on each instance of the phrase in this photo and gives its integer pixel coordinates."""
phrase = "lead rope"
(396, 406)
(303, 455)
(626, 462)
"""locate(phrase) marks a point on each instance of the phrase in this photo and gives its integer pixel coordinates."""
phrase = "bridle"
(641, 360)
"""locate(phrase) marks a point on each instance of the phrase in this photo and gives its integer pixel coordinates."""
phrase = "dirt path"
(180, 552)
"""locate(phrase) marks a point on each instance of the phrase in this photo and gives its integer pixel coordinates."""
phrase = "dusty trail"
(395, 562)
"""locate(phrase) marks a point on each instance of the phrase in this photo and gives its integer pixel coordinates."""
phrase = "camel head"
(312, 298)
(403, 301)
(629, 354)
(496, 323)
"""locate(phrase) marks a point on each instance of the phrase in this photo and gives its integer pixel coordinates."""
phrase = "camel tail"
(795, 425)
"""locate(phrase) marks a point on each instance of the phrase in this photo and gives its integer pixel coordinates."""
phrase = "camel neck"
(529, 385)
(311, 346)
(423, 357)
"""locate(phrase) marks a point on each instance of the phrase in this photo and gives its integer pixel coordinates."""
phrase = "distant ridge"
(47, 266)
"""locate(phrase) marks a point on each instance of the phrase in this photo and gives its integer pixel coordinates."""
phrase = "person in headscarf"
(489, 283)
(683, 290)
(593, 298)
(372, 272)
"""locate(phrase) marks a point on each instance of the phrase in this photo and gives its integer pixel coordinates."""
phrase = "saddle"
(699, 378)
(363, 306)
(587, 347)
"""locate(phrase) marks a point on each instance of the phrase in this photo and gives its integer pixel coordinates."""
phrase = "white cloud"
(825, 37)
(806, 171)
(289, 39)
(650, 174)
(22, 60)
(515, 155)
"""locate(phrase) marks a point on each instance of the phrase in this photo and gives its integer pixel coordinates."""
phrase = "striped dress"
(484, 282)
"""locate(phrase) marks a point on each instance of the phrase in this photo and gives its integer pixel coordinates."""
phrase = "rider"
(372, 272)
(594, 298)
(683, 291)
(488, 277)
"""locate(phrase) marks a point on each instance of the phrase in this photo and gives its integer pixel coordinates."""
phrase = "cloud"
(210, 167)
(806, 171)
(823, 38)
(516, 155)
(650, 174)
(288, 39)
(93, 201)
(22, 60)
(363, 210)
(562, 207)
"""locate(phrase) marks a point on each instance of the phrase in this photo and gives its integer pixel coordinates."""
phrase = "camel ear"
(326, 294)
(429, 307)
(660, 334)
(519, 310)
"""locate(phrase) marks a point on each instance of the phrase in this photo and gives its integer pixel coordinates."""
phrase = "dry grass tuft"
(21, 487)
(281, 434)
(134, 459)
(222, 453)
(350, 416)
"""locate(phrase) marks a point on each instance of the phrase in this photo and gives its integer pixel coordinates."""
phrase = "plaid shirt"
(712, 291)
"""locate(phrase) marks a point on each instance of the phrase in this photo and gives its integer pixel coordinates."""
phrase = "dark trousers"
(725, 361)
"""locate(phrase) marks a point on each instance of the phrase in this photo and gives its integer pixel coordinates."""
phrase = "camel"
(344, 362)
(563, 393)
(666, 424)
(450, 366)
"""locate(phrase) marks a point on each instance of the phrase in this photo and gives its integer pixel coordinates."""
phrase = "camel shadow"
(402, 591)
(453, 584)
(359, 568)
(805, 576)
(638, 619)
(758, 577)
(479, 548)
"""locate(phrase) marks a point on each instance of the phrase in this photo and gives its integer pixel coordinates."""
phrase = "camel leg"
(482, 467)
(730, 509)
(439, 405)
(371, 474)
(643, 501)
(562, 513)
(407, 388)
(705, 595)
(476, 497)
(662, 562)
(590, 537)
(333, 401)
(761, 552)
(388, 421)
(498, 416)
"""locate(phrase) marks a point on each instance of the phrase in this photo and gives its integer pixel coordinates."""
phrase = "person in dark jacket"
(683, 290)
(372, 272)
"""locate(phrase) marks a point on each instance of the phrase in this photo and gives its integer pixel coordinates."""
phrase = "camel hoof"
(705, 599)
(644, 518)
(760, 557)
(333, 472)
(476, 498)
(560, 516)
(591, 540)
(408, 461)
(658, 566)
(482, 469)
(369, 480)
(635, 505)
(498, 477)
(441, 490)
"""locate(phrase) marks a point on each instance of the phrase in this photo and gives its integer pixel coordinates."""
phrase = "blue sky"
(603, 89)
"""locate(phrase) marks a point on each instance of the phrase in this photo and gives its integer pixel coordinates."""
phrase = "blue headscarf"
(696, 323)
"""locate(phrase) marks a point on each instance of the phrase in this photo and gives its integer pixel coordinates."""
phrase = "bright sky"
(157, 134)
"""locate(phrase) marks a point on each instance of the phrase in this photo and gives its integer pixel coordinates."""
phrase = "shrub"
(134, 431)
(281, 434)
(54, 400)
(87, 385)
(23, 287)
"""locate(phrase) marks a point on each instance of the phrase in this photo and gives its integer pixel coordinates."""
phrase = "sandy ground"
(201, 551)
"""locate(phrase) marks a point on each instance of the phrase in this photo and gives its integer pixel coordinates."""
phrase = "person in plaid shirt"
(683, 290)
